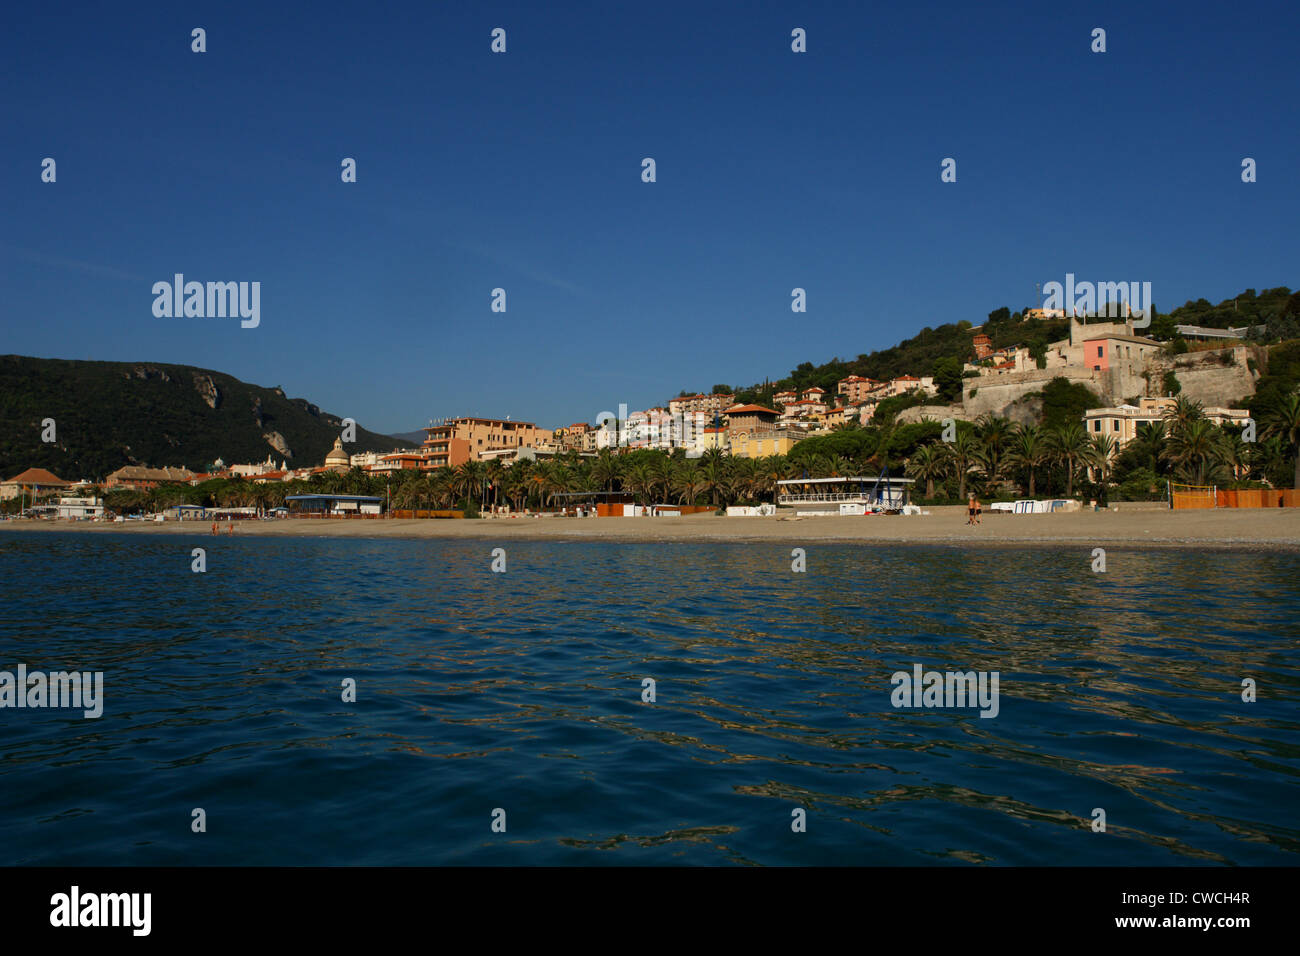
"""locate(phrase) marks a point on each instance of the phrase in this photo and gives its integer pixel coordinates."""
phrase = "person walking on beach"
(970, 510)
(979, 512)
(214, 527)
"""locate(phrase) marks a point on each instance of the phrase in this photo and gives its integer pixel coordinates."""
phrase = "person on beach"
(979, 512)
(230, 528)
(970, 510)
(214, 527)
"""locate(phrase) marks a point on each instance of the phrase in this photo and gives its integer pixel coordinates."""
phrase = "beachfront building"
(334, 506)
(458, 440)
(145, 479)
(1121, 422)
(847, 495)
(77, 508)
(31, 483)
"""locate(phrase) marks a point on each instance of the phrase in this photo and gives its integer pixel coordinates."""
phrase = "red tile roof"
(38, 476)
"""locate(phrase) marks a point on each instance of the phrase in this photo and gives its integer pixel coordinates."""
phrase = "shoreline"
(1233, 529)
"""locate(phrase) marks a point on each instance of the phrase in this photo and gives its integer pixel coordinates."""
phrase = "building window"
(1096, 426)
(1100, 351)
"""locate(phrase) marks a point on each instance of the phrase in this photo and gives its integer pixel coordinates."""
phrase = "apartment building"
(708, 405)
(458, 440)
(855, 389)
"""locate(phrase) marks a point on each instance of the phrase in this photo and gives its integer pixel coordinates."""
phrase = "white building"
(80, 507)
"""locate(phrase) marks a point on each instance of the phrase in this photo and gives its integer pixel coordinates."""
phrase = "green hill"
(110, 414)
(1278, 309)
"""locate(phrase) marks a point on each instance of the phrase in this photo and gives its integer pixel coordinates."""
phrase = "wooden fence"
(427, 513)
(1259, 498)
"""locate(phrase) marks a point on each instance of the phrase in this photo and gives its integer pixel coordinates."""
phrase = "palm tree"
(1238, 455)
(1182, 413)
(467, 481)
(1150, 443)
(995, 434)
(661, 470)
(961, 454)
(641, 477)
(1100, 459)
(1069, 446)
(493, 475)
(1282, 421)
(1197, 449)
(1029, 451)
(687, 481)
(713, 474)
(928, 463)
(605, 469)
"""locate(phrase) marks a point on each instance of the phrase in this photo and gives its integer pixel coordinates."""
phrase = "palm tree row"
(990, 455)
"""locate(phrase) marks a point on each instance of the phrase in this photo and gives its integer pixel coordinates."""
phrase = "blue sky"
(523, 171)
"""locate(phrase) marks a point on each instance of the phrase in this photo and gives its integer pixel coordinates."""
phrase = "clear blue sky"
(523, 171)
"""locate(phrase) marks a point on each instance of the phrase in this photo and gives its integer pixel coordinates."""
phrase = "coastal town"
(1146, 421)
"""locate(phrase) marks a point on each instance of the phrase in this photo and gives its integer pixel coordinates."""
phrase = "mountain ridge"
(109, 414)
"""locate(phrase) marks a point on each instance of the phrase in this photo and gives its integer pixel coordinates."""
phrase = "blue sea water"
(523, 691)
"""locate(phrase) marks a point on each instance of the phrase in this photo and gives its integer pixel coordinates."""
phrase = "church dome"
(338, 458)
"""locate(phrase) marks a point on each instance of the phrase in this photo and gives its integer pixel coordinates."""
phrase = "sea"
(321, 701)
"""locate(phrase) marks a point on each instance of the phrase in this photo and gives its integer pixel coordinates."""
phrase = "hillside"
(1278, 308)
(110, 414)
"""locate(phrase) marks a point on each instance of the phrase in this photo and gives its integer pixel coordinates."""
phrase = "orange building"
(458, 440)
(856, 388)
(32, 481)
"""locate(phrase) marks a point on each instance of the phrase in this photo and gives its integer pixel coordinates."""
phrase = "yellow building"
(765, 443)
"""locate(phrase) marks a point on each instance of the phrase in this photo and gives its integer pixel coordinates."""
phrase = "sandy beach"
(1248, 529)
